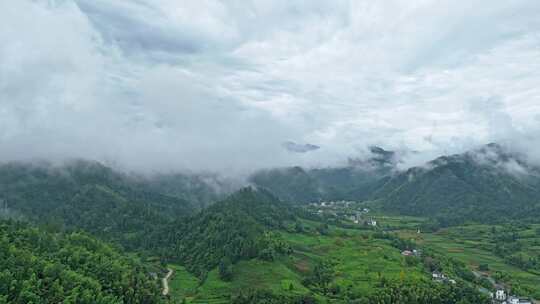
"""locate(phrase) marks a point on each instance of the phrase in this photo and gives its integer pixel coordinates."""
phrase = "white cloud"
(222, 84)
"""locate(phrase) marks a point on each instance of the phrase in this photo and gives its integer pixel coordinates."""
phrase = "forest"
(42, 267)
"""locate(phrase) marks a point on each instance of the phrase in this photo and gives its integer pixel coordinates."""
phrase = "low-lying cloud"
(221, 85)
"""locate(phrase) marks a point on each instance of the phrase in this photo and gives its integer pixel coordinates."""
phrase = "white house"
(437, 275)
(407, 253)
(500, 295)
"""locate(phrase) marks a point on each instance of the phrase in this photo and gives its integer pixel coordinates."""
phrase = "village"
(350, 211)
(358, 214)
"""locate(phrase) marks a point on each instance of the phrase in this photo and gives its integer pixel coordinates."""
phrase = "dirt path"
(165, 282)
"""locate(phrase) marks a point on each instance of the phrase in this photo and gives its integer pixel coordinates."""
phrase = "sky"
(167, 85)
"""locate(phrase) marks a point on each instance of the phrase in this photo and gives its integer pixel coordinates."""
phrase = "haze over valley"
(159, 151)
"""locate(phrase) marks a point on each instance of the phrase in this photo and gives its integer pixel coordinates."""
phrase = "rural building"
(407, 253)
(500, 295)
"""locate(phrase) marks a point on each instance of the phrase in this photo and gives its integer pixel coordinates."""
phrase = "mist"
(163, 86)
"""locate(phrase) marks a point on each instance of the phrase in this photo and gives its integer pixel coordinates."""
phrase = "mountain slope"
(485, 185)
(235, 228)
(41, 267)
(201, 190)
(85, 195)
(356, 181)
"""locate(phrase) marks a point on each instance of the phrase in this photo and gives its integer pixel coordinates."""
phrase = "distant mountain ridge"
(355, 181)
(487, 184)
(85, 195)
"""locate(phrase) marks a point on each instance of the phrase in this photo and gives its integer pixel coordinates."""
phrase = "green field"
(470, 245)
(473, 245)
(360, 261)
(359, 264)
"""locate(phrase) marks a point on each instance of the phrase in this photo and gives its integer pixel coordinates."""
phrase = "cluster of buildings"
(501, 297)
(341, 203)
(345, 210)
(441, 278)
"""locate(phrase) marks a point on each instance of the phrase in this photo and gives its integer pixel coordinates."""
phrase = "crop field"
(474, 245)
(471, 245)
(360, 262)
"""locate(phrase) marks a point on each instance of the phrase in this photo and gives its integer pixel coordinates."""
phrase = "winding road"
(165, 282)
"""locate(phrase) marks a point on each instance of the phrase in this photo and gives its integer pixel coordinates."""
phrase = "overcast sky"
(221, 85)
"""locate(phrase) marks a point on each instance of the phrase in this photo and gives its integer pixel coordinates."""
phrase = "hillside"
(41, 267)
(488, 185)
(355, 181)
(485, 185)
(233, 229)
(85, 195)
(325, 263)
(201, 190)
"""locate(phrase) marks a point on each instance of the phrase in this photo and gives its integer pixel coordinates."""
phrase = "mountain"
(85, 195)
(489, 184)
(233, 229)
(41, 267)
(355, 181)
(201, 189)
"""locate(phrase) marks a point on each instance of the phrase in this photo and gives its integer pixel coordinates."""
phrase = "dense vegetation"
(419, 292)
(339, 266)
(507, 254)
(355, 181)
(85, 195)
(488, 186)
(240, 227)
(255, 248)
(201, 190)
(425, 292)
(41, 267)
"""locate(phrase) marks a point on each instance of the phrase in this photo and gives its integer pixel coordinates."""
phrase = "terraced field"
(471, 246)
(360, 262)
(474, 246)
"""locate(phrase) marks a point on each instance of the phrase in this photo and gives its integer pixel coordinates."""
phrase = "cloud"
(299, 148)
(220, 85)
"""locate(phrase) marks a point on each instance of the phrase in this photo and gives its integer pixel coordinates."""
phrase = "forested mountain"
(201, 190)
(41, 267)
(485, 185)
(236, 228)
(85, 195)
(488, 184)
(355, 181)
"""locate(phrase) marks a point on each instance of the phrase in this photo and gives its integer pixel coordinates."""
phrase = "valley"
(369, 235)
